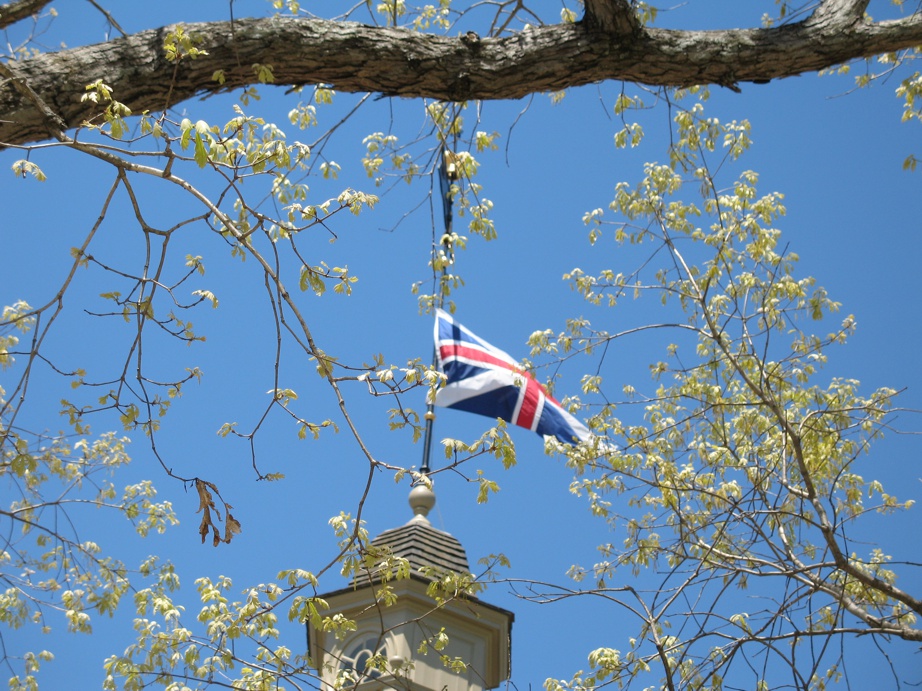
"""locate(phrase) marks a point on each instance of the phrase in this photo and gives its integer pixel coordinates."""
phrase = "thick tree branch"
(357, 58)
(12, 12)
(839, 12)
(612, 16)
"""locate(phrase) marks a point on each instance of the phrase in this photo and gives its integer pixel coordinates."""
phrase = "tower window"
(357, 655)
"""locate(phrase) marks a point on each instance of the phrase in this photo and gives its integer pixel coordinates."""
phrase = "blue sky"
(853, 217)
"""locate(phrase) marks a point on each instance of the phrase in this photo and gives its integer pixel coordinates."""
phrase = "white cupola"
(398, 627)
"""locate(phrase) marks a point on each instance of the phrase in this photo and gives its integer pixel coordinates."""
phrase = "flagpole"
(447, 173)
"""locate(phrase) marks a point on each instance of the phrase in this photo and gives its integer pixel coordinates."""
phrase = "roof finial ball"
(421, 500)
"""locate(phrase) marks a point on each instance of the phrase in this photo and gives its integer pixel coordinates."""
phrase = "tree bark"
(12, 12)
(357, 58)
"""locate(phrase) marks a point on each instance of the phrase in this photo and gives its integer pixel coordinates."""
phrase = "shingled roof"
(419, 543)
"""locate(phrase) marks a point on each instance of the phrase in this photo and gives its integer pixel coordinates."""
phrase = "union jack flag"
(483, 379)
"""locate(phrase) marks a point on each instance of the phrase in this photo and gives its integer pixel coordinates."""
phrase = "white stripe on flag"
(484, 382)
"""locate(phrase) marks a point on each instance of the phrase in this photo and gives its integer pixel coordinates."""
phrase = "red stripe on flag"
(456, 350)
(531, 399)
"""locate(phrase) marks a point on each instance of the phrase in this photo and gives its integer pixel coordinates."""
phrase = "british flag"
(483, 379)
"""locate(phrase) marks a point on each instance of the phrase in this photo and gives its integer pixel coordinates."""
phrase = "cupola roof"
(417, 541)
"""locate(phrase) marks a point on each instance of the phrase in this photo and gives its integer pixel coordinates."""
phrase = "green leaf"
(201, 152)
